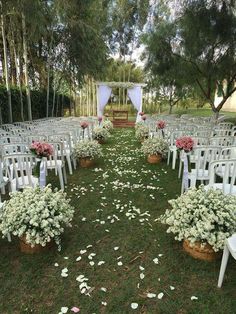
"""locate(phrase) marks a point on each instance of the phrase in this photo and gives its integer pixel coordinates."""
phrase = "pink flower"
(144, 118)
(100, 119)
(186, 143)
(41, 149)
(84, 124)
(161, 124)
(141, 113)
(75, 309)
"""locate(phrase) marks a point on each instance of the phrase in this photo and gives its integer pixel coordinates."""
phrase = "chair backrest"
(17, 148)
(21, 168)
(228, 174)
(221, 141)
(228, 153)
(203, 156)
(58, 154)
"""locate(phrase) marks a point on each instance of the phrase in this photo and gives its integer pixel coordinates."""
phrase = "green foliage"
(38, 103)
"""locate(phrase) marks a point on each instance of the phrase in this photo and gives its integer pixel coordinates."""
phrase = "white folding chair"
(230, 248)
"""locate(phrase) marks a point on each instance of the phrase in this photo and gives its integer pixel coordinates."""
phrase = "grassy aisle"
(116, 205)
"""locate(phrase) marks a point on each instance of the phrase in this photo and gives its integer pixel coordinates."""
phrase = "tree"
(203, 40)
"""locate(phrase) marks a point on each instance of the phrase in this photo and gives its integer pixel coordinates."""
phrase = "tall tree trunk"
(48, 90)
(6, 70)
(54, 98)
(25, 55)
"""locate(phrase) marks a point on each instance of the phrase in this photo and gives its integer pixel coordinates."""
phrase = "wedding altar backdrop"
(134, 92)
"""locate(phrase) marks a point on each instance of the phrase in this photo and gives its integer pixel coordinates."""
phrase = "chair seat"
(219, 186)
(221, 170)
(201, 174)
(231, 243)
(4, 181)
(51, 164)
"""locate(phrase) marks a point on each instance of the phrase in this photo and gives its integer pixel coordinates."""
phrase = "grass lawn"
(116, 207)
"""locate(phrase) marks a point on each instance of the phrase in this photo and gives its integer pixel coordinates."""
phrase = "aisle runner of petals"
(117, 175)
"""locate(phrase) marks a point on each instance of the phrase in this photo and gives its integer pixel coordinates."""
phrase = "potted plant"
(86, 151)
(141, 131)
(108, 125)
(203, 220)
(100, 134)
(37, 216)
(155, 148)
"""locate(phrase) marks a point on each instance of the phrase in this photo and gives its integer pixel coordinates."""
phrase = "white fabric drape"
(135, 95)
(103, 95)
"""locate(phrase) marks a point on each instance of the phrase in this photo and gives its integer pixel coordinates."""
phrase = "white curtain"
(135, 95)
(103, 95)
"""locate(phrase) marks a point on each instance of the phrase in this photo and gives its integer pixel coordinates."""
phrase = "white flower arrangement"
(202, 216)
(87, 149)
(141, 132)
(39, 215)
(139, 124)
(154, 146)
(108, 125)
(100, 133)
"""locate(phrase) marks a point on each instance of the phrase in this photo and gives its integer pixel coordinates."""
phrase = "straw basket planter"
(205, 253)
(26, 247)
(86, 162)
(154, 159)
(101, 141)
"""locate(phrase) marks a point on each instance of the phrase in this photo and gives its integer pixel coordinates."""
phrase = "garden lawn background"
(121, 182)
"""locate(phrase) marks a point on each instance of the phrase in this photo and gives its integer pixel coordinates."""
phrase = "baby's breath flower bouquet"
(38, 215)
(154, 146)
(202, 216)
(87, 149)
(108, 125)
(100, 133)
(141, 132)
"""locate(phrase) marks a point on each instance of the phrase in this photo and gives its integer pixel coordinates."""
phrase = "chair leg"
(168, 158)
(69, 163)
(174, 159)
(61, 178)
(74, 163)
(64, 174)
(193, 181)
(224, 262)
(180, 168)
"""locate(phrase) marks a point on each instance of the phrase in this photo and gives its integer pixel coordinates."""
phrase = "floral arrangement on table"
(108, 125)
(141, 132)
(100, 134)
(41, 149)
(200, 216)
(185, 143)
(87, 149)
(155, 146)
(37, 215)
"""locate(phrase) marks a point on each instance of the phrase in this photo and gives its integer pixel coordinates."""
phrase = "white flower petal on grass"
(151, 295)
(172, 288)
(91, 263)
(194, 298)
(66, 257)
(64, 275)
(101, 263)
(88, 246)
(104, 303)
(120, 263)
(155, 260)
(64, 309)
(83, 251)
(56, 264)
(116, 248)
(141, 268)
(134, 306)
(78, 258)
(142, 276)
(160, 295)
(103, 289)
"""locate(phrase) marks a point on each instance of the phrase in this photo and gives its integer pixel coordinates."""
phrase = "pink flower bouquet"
(161, 124)
(41, 149)
(141, 113)
(84, 124)
(99, 119)
(186, 143)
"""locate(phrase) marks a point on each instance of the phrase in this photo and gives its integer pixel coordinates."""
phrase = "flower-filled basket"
(37, 216)
(108, 125)
(141, 131)
(203, 220)
(100, 134)
(86, 151)
(155, 148)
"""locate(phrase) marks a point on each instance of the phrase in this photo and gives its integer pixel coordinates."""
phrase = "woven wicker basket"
(86, 162)
(26, 247)
(205, 253)
(154, 159)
